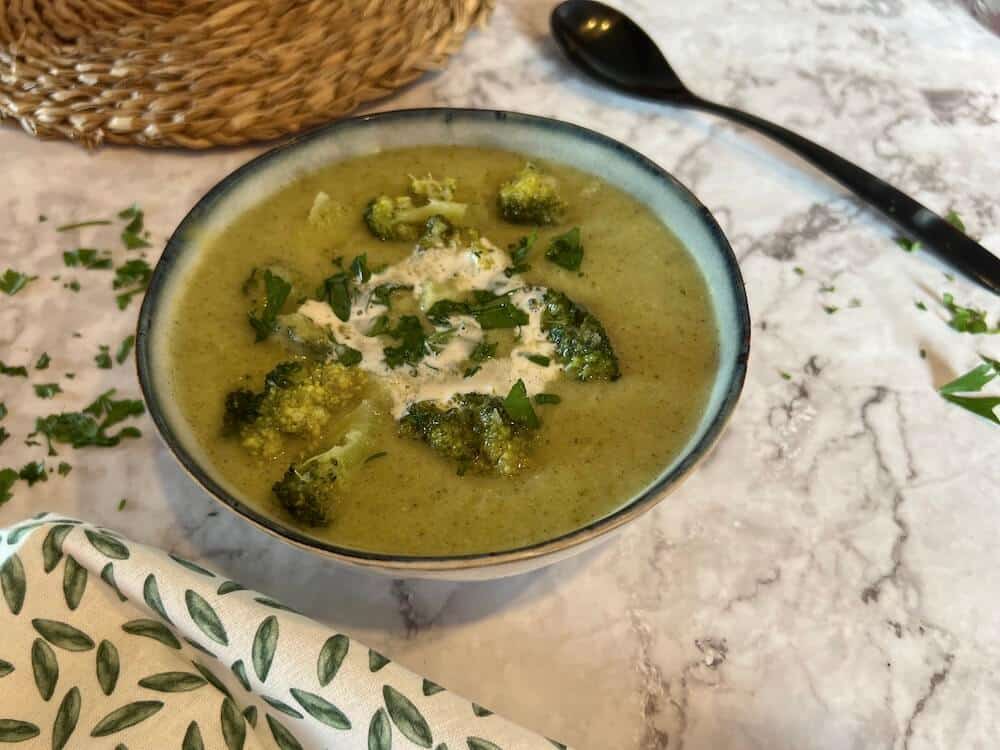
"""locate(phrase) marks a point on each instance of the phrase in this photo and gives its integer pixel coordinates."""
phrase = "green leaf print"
(376, 661)
(108, 576)
(74, 582)
(406, 717)
(108, 667)
(431, 688)
(52, 546)
(212, 680)
(380, 732)
(205, 618)
(63, 636)
(265, 642)
(192, 738)
(13, 583)
(127, 716)
(45, 668)
(151, 595)
(321, 709)
(12, 730)
(66, 718)
(284, 739)
(274, 605)
(15, 536)
(281, 706)
(477, 743)
(250, 714)
(442, 746)
(190, 565)
(234, 731)
(480, 711)
(5, 668)
(228, 587)
(559, 745)
(240, 670)
(107, 545)
(331, 656)
(173, 682)
(199, 647)
(152, 629)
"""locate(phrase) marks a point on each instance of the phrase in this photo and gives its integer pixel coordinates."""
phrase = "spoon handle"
(917, 221)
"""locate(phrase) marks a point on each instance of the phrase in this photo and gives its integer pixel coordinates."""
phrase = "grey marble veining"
(828, 578)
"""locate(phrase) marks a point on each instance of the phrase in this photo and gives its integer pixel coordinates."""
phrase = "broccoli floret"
(299, 402)
(400, 219)
(531, 197)
(433, 189)
(582, 345)
(473, 429)
(308, 490)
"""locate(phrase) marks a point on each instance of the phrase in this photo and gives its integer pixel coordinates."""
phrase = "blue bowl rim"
(635, 507)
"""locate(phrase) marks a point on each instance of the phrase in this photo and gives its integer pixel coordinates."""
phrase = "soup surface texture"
(600, 445)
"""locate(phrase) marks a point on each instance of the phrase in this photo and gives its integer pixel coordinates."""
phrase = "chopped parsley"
(64, 468)
(73, 286)
(346, 355)
(484, 350)
(547, 398)
(470, 371)
(907, 244)
(124, 349)
(103, 358)
(784, 375)
(920, 305)
(359, 268)
(86, 257)
(7, 479)
(799, 270)
(443, 309)
(965, 319)
(412, 342)
(566, 250)
(90, 426)
(438, 340)
(518, 406)
(43, 361)
(132, 235)
(276, 291)
(3, 435)
(47, 390)
(379, 326)
(3, 410)
(336, 292)
(134, 273)
(826, 288)
(32, 472)
(121, 504)
(830, 309)
(519, 254)
(973, 382)
(14, 281)
(81, 224)
(498, 312)
(538, 359)
(19, 371)
(955, 220)
(382, 294)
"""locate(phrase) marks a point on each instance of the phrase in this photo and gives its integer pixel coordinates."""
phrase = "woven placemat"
(200, 73)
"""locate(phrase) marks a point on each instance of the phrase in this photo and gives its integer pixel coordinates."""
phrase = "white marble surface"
(829, 577)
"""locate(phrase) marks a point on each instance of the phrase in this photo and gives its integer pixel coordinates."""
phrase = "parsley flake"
(81, 224)
(14, 281)
(86, 257)
(276, 291)
(955, 220)
(19, 371)
(518, 406)
(47, 390)
(973, 382)
(90, 426)
(7, 479)
(132, 235)
(121, 504)
(336, 292)
(43, 361)
(134, 273)
(566, 250)
(103, 358)
(33, 472)
(412, 342)
(64, 468)
(965, 319)
(907, 244)
(519, 255)
(124, 349)
(359, 268)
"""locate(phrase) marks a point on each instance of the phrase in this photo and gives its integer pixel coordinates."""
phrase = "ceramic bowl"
(539, 137)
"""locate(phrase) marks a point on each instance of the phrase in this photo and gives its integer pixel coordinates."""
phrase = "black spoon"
(608, 45)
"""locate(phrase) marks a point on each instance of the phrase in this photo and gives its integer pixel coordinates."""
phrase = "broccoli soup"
(442, 350)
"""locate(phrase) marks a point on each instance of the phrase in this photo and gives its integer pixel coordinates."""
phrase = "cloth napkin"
(105, 642)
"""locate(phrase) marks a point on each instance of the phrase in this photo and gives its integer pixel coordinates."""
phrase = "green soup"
(599, 446)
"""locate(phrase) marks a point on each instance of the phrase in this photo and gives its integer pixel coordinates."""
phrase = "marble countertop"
(829, 577)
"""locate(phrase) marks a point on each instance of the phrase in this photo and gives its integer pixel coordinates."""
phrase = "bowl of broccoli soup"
(440, 342)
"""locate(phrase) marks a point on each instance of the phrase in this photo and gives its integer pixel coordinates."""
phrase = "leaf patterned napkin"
(107, 643)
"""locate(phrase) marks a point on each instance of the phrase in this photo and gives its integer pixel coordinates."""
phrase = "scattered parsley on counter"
(7, 479)
(827, 288)
(3, 435)
(966, 319)
(907, 244)
(955, 220)
(81, 224)
(920, 305)
(43, 361)
(132, 235)
(973, 382)
(121, 504)
(86, 257)
(19, 371)
(73, 286)
(566, 250)
(124, 349)
(33, 472)
(14, 281)
(830, 309)
(64, 468)
(3, 410)
(134, 273)
(784, 375)
(47, 390)
(90, 426)
(799, 270)
(103, 358)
